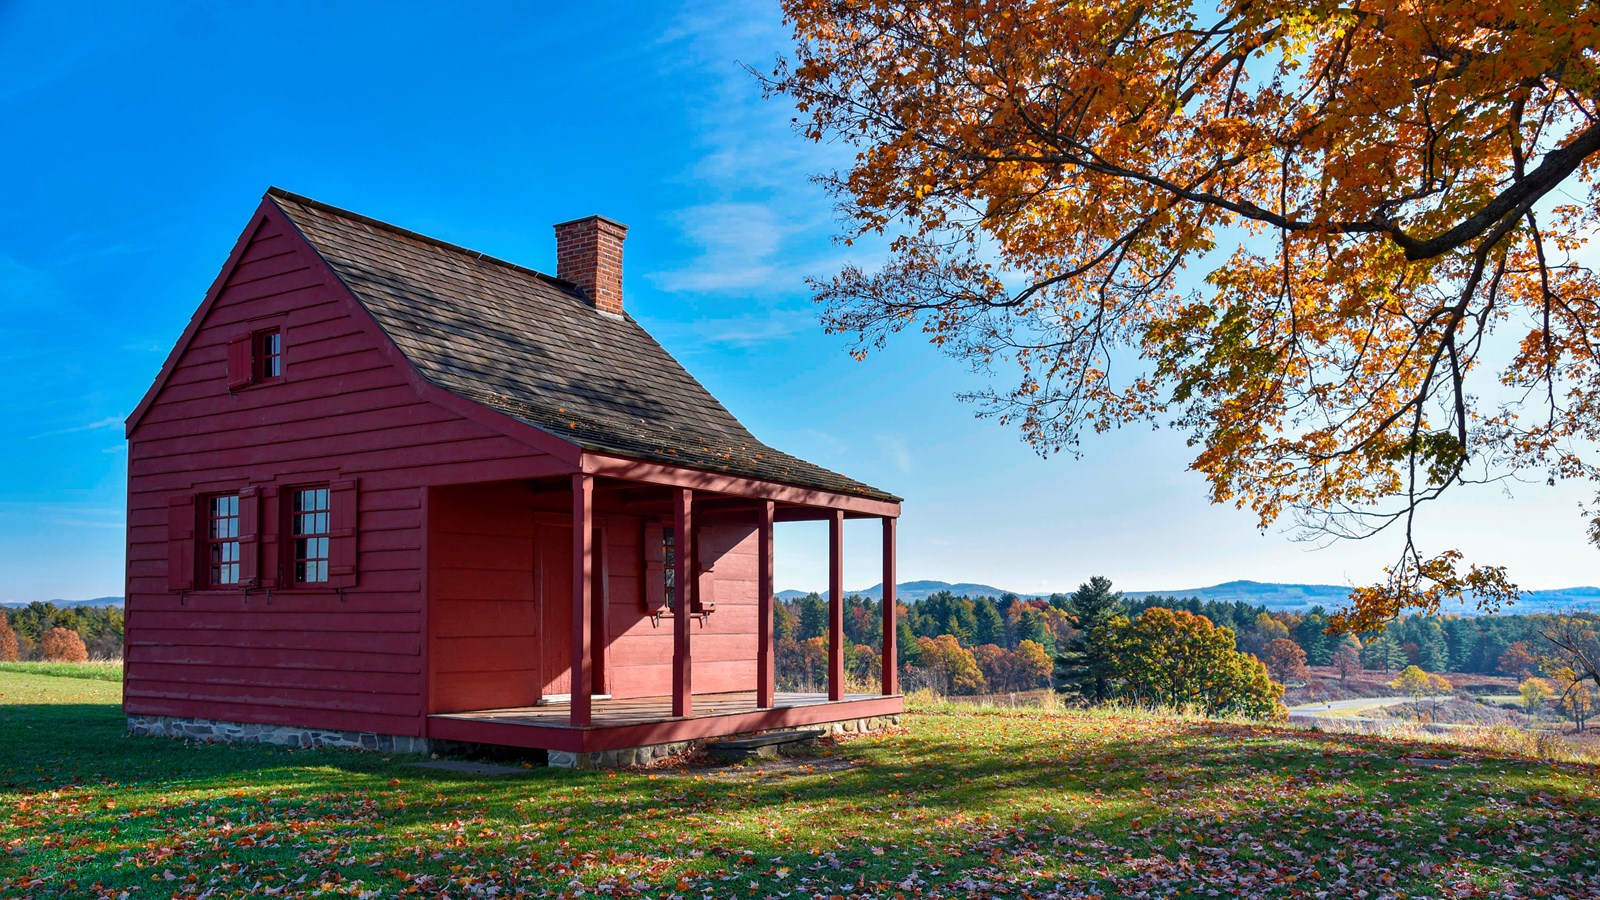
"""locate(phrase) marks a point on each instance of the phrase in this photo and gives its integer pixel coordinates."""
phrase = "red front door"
(553, 577)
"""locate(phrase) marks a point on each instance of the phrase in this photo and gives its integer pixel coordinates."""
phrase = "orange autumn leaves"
(1339, 246)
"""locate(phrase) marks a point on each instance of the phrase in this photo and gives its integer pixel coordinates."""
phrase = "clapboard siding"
(722, 648)
(344, 409)
(483, 614)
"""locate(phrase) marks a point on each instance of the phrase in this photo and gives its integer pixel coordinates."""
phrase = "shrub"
(62, 645)
(9, 650)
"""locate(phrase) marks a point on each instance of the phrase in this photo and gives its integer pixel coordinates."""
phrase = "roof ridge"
(278, 193)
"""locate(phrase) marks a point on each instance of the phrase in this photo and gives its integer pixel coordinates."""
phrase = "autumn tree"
(951, 667)
(1180, 660)
(1368, 192)
(1535, 692)
(1517, 661)
(1284, 660)
(1419, 685)
(1347, 661)
(62, 645)
(995, 663)
(1573, 696)
(9, 651)
(1033, 664)
(1085, 667)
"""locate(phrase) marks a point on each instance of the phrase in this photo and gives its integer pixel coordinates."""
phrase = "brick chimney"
(589, 254)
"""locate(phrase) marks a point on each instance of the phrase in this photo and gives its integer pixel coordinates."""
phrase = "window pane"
(311, 525)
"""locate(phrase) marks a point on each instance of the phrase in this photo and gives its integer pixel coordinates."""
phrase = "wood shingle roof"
(531, 347)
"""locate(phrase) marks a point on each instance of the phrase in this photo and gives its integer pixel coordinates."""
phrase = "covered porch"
(618, 667)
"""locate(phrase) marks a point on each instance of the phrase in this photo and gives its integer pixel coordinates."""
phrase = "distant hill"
(63, 604)
(1300, 596)
(915, 590)
(1256, 593)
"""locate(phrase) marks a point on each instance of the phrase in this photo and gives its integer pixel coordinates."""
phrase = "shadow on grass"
(953, 788)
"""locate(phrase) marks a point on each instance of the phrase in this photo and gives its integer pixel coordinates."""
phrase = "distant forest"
(22, 629)
(999, 639)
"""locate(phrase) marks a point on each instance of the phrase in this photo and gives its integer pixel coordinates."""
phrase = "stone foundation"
(277, 735)
(643, 756)
(309, 738)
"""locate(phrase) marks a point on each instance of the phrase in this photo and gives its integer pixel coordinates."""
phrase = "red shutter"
(343, 536)
(271, 548)
(180, 542)
(705, 595)
(249, 536)
(240, 369)
(655, 580)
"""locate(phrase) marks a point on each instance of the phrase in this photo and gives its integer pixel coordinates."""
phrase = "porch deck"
(648, 720)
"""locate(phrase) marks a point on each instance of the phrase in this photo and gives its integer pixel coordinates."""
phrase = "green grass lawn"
(961, 803)
(99, 671)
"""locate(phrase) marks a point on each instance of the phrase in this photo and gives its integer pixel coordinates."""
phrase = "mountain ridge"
(1273, 595)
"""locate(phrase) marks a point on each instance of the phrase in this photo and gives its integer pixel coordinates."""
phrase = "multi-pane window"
(669, 565)
(269, 355)
(222, 539)
(309, 524)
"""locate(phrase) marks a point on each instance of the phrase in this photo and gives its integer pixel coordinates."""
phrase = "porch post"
(682, 579)
(891, 662)
(765, 671)
(836, 605)
(582, 595)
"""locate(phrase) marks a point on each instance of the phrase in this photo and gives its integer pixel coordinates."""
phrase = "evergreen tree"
(988, 627)
(1312, 636)
(1433, 650)
(1086, 666)
(1382, 653)
(1461, 635)
(813, 616)
(910, 652)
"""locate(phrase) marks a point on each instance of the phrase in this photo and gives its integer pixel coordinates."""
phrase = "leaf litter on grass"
(957, 804)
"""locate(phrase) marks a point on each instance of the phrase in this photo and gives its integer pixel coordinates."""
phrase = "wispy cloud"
(834, 444)
(894, 447)
(65, 515)
(768, 231)
(108, 422)
(737, 243)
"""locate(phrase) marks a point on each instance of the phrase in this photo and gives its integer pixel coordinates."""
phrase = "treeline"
(950, 644)
(44, 631)
(969, 645)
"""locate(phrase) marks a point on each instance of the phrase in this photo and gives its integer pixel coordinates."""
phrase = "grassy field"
(98, 671)
(961, 803)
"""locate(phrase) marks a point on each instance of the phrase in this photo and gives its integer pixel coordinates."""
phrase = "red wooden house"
(387, 491)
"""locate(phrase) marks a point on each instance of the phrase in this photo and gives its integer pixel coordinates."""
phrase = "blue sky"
(139, 140)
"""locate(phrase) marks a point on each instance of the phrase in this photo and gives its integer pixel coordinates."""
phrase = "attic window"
(269, 355)
(255, 358)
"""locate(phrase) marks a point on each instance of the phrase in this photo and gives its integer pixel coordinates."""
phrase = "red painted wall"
(723, 646)
(342, 411)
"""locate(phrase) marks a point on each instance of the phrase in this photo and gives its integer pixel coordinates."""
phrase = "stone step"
(764, 746)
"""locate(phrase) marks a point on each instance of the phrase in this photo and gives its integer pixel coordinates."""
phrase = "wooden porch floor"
(644, 710)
